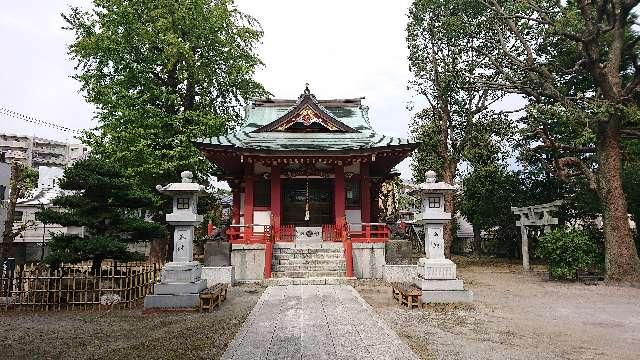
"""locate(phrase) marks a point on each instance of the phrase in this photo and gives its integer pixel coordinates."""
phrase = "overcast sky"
(341, 48)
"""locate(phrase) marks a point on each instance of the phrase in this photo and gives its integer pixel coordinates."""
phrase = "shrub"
(568, 252)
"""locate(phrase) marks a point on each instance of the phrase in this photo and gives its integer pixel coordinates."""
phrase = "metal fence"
(37, 287)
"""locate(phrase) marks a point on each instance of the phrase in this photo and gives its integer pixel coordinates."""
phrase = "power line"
(17, 115)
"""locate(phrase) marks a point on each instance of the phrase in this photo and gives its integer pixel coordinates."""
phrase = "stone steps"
(318, 263)
(310, 281)
(338, 266)
(309, 261)
(307, 274)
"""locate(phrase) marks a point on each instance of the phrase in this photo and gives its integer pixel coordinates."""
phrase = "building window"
(262, 193)
(434, 202)
(352, 193)
(182, 203)
(17, 216)
(3, 190)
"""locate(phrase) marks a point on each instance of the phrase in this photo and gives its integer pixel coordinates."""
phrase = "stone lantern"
(436, 274)
(180, 281)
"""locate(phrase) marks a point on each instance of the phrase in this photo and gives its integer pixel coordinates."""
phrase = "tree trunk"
(621, 256)
(477, 242)
(7, 236)
(448, 176)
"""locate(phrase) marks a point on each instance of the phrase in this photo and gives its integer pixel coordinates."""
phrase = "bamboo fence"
(117, 285)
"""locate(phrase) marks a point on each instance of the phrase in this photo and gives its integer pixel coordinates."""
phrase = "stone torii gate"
(535, 215)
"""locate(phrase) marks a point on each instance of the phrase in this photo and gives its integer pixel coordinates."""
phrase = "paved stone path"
(315, 322)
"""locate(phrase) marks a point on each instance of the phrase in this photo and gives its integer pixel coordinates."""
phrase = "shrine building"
(305, 170)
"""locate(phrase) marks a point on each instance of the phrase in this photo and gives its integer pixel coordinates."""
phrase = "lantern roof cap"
(431, 185)
(186, 186)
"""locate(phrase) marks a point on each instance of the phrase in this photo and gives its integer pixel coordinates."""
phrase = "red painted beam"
(339, 196)
(365, 193)
(248, 200)
(276, 208)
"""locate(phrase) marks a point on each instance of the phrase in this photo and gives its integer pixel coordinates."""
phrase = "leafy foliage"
(568, 252)
(489, 193)
(108, 205)
(162, 73)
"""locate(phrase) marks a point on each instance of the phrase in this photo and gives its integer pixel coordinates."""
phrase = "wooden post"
(365, 193)
(348, 256)
(235, 205)
(525, 248)
(339, 199)
(275, 200)
(268, 255)
(248, 201)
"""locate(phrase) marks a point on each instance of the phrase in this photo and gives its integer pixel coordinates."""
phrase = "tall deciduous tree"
(23, 179)
(581, 60)
(457, 123)
(160, 74)
(109, 206)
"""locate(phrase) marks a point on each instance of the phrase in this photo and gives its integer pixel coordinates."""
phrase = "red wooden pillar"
(248, 200)
(275, 200)
(235, 205)
(339, 196)
(365, 193)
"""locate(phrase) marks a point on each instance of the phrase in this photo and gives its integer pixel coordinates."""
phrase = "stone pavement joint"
(315, 322)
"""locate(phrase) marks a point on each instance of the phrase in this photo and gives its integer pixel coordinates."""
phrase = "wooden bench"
(406, 294)
(212, 297)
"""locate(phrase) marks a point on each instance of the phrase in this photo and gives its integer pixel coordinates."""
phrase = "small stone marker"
(436, 274)
(180, 280)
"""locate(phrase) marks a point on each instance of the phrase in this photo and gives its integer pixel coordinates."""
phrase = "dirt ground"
(121, 334)
(519, 316)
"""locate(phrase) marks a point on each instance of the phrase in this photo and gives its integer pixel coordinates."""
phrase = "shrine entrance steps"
(320, 263)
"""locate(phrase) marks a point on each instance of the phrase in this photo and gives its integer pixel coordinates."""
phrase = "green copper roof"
(262, 112)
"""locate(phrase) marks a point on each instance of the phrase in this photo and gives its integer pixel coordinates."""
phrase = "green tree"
(162, 73)
(458, 123)
(577, 61)
(23, 179)
(489, 192)
(109, 206)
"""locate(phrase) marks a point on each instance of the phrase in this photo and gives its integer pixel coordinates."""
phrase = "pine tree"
(108, 205)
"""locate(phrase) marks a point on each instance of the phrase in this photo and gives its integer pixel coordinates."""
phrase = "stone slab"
(400, 273)
(425, 284)
(248, 262)
(181, 272)
(447, 297)
(368, 260)
(398, 252)
(217, 253)
(179, 288)
(315, 322)
(182, 301)
(439, 269)
(218, 275)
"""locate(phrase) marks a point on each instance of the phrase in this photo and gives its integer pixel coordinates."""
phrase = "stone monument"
(180, 280)
(436, 274)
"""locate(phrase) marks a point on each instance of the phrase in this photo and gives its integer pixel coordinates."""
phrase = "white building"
(35, 152)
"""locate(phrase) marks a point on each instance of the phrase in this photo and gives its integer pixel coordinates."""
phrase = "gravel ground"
(519, 316)
(121, 334)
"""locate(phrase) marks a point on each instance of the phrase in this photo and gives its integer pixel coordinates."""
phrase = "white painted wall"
(354, 218)
(261, 217)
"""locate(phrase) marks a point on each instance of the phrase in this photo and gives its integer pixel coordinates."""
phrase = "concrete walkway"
(315, 322)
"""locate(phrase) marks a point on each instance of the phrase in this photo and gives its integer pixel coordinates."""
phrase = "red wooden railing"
(287, 233)
(371, 233)
(249, 234)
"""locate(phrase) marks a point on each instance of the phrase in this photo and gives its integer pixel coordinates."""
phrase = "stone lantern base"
(179, 287)
(437, 280)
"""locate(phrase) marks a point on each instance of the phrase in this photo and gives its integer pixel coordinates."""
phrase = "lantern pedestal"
(180, 280)
(436, 275)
